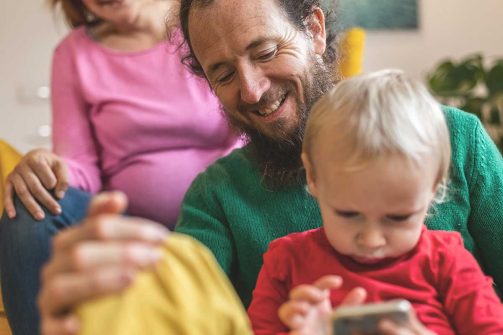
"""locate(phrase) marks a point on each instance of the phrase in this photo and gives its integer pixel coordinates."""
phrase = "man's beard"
(279, 158)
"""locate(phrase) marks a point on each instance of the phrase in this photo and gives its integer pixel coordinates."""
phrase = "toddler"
(376, 153)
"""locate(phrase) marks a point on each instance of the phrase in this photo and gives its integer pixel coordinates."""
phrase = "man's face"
(260, 66)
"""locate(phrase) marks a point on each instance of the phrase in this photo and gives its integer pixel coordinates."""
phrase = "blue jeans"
(25, 245)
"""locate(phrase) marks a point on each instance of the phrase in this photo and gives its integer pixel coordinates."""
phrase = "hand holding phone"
(365, 319)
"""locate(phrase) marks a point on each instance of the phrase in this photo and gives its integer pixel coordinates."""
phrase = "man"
(267, 61)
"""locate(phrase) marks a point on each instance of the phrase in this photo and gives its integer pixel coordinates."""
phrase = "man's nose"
(253, 84)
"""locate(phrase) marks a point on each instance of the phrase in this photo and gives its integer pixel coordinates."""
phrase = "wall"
(448, 28)
(28, 33)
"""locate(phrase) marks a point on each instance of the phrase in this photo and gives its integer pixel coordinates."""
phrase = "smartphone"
(364, 319)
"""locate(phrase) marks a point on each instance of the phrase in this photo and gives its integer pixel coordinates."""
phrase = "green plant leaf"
(494, 79)
(456, 80)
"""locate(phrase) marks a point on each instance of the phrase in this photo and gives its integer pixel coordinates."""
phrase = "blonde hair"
(378, 114)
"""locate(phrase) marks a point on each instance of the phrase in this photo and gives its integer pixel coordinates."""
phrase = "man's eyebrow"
(257, 42)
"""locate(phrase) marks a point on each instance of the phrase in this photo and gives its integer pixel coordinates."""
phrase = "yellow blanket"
(187, 293)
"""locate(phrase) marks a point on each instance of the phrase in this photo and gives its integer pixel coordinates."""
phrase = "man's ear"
(310, 177)
(315, 24)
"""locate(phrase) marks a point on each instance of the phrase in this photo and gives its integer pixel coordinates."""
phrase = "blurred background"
(29, 32)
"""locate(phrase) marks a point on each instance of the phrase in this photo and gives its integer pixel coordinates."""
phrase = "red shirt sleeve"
(271, 291)
(469, 297)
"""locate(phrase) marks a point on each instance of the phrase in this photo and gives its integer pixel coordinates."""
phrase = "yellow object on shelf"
(352, 47)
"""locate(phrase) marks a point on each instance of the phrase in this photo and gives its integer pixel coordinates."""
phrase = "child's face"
(375, 212)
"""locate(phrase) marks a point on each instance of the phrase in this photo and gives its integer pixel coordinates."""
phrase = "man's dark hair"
(297, 11)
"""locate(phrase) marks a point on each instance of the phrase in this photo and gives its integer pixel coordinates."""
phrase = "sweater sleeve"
(270, 293)
(203, 218)
(486, 200)
(73, 137)
(469, 298)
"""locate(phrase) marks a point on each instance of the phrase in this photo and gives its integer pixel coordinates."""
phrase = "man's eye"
(347, 214)
(399, 218)
(267, 55)
(225, 78)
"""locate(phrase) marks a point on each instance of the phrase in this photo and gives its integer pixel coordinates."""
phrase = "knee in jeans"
(22, 229)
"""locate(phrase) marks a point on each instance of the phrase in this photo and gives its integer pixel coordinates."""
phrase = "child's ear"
(310, 178)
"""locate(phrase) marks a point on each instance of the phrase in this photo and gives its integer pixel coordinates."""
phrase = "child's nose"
(371, 239)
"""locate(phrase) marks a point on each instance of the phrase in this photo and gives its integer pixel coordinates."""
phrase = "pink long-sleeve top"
(134, 121)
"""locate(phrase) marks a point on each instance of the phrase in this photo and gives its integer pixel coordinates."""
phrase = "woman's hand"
(100, 256)
(309, 308)
(39, 172)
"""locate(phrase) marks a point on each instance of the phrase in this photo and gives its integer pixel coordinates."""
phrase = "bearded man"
(267, 61)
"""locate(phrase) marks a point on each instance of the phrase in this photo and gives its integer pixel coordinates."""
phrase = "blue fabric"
(25, 245)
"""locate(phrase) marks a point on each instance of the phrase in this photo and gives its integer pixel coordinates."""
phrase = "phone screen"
(364, 319)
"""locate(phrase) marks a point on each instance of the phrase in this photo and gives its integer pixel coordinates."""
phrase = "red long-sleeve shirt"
(442, 280)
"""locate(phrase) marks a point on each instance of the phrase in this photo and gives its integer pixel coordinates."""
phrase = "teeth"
(271, 108)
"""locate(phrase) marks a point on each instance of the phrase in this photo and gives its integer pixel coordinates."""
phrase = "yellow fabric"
(352, 47)
(187, 293)
(9, 157)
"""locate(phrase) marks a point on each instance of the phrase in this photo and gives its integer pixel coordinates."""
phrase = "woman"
(126, 116)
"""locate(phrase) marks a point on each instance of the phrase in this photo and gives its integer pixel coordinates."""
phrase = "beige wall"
(448, 28)
(28, 33)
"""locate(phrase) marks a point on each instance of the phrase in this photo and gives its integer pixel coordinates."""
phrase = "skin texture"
(83, 267)
(38, 172)
(377, 211)
(253, 63)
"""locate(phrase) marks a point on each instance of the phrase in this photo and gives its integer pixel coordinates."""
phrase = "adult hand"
(414, 327)
(38, 172)
(308, 309)
(100, 256)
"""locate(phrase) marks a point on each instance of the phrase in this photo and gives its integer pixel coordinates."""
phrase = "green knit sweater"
(229, 209)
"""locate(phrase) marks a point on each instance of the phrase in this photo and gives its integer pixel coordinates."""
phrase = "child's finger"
(308, 293)
(329, 282)
(356, 296)
(292, 313)
(318, 291)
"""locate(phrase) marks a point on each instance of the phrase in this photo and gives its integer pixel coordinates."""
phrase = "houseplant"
(474, 85)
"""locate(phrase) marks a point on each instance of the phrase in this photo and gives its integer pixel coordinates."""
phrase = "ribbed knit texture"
(229, 209)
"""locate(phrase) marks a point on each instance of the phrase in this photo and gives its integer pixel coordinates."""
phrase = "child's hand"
(308, 310)
(414, 327)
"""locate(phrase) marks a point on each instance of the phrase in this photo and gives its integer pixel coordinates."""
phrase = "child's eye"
(399, 218)
(347, 214)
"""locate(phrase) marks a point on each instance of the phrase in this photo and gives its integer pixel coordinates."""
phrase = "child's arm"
(271, 290)
(468, 295)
